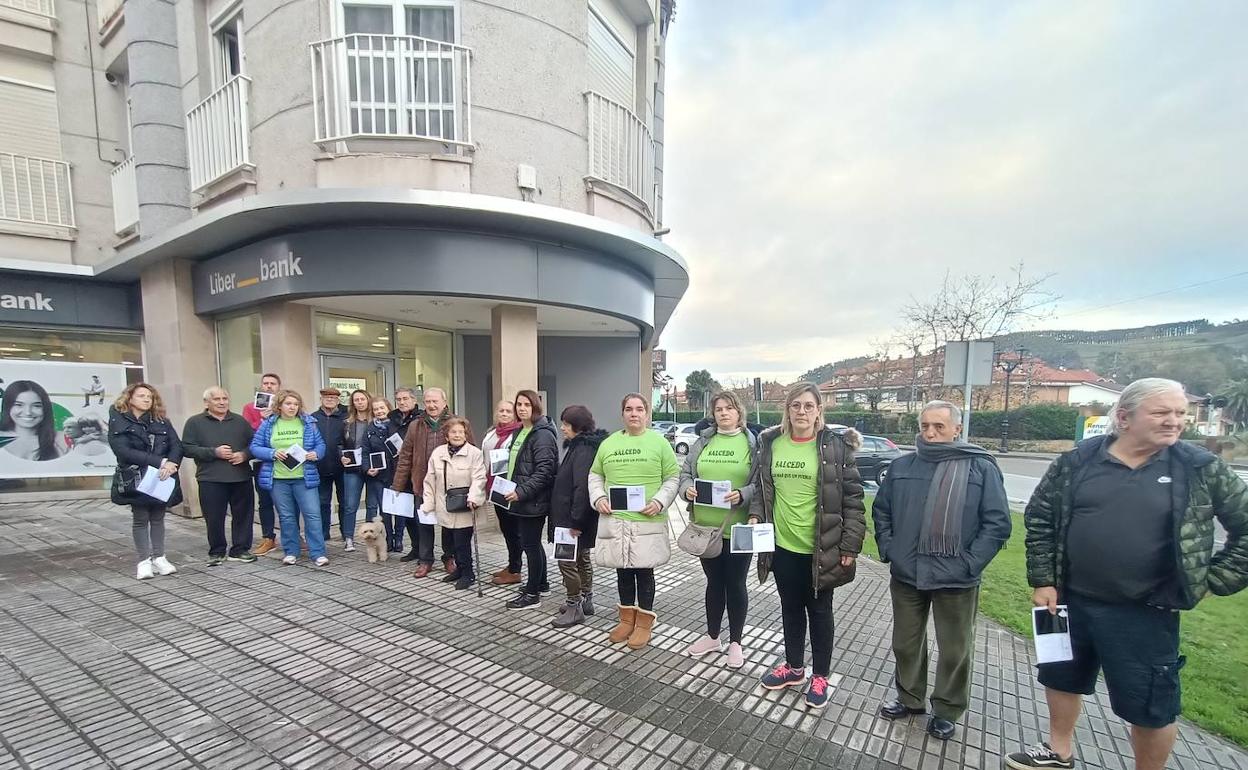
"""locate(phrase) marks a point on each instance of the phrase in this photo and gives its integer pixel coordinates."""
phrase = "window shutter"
(611, 68)
(28, 122)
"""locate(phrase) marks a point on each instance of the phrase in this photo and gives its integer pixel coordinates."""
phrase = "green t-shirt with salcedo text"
(724, 458)
(286, 431)
(795, 473)
(645, 460)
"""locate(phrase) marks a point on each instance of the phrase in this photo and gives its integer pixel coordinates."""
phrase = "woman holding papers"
(808, 486)
(632, 482)
(379, 455)
(141, 435)
(531, 466)
(354, 461)
(288, 444)
(497, 448)
(570, 510)
(454, 490)
(724, 453)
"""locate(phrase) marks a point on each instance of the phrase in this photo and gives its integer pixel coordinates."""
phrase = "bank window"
(23, 344)
(356, 335)
(238, 357)
(424, 358)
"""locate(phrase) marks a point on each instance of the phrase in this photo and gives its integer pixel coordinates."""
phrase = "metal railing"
(125, 197)
(391, 86)
(218, 134)
(107, 9)
(621, 148)
(35, 190)
(40, 7)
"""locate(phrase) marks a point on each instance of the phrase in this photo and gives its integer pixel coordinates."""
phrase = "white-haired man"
(217, 439)
(1121, 531)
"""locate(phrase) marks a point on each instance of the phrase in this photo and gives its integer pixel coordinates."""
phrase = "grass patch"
(1214, 637)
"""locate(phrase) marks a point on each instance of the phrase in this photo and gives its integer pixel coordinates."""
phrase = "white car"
(682, 437)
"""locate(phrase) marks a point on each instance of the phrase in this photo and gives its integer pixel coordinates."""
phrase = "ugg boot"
(642, 630)
(622, 631)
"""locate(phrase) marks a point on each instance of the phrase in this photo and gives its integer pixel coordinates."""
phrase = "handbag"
(456, 497)
(702, 541)
(126, 480)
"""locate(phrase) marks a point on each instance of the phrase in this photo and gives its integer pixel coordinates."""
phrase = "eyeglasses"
(799, 406)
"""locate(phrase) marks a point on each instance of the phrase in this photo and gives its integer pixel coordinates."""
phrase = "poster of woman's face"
(51, 423)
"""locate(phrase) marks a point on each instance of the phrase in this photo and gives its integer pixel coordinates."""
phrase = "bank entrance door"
(348, 373)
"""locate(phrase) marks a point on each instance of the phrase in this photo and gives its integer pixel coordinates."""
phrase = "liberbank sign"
(378, 260)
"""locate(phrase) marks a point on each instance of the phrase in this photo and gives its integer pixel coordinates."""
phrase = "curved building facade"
(368, 193)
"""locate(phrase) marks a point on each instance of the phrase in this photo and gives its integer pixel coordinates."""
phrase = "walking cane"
(476, 551)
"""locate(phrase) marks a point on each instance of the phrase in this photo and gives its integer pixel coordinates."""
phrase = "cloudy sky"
(826, 161)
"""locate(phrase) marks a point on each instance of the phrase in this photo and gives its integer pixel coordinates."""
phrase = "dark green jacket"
(1202, 488)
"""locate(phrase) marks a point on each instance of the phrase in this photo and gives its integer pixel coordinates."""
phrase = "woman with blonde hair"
(723, 452)
(633, 541)
(808, 487)
(359, 418)
(294, 489)
(140, 435)
(454, 489)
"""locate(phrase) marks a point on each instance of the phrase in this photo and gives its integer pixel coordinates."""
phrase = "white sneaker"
(145, 570)
(288, 560)
(348, 545)
(163, 566)
(321, 561)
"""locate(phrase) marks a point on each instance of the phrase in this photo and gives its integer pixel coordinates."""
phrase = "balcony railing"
(391, 86)
(125, 197)
(40, 7)
(621, 149)
(218, 136)
(35, 191)
(106, 10)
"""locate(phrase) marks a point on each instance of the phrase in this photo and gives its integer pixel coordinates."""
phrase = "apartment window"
(433, 19)
(227, 46)
(611, 62)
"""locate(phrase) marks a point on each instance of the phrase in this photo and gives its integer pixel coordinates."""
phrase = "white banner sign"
(54, 418)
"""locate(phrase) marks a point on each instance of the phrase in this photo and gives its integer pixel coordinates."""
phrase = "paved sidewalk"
(359, 665)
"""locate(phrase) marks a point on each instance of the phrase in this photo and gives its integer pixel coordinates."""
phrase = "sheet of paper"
(152, 486)
(630, 498)
(298, 452)
(498, 491)
(377, 460)
(398, 503)
(499, 458)
(354, 457)
(713, 493)
(1052, 634)
(752, 538)
(395, 443)
(426, 517)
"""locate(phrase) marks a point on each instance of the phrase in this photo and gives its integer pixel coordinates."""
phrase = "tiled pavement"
(359, 665)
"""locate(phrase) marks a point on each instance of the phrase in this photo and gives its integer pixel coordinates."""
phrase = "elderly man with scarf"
(940, 517)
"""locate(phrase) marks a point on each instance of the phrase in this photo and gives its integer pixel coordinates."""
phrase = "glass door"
(348, 373)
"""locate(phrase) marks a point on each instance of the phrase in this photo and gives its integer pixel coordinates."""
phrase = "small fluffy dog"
(373, 535)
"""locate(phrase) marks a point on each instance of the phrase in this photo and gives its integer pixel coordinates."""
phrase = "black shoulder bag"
(456, 497)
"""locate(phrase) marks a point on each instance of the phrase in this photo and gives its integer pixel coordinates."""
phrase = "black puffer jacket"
(537, 462)
(375, 441)
(569, 499)
(333, 428)
(144, 441)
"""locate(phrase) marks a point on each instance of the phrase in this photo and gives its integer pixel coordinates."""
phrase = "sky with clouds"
(827, 161)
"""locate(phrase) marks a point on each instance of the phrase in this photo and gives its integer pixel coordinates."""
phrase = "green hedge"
(1038, 422)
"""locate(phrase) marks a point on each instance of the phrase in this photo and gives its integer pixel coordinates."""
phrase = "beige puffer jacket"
(625, 544)
(465, 469)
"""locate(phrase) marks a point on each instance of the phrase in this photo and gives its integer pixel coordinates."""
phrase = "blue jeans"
(349, 502)
(293, 498)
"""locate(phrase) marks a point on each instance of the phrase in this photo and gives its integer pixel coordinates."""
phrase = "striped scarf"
(941, 532)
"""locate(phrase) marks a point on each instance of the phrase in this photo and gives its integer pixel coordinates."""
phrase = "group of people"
(1120, 532)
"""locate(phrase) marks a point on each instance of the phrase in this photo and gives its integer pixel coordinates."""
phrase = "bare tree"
(974, 307)
(878, 374)
(910, 338)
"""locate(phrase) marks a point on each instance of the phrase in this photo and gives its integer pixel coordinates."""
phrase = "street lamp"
(1008, 366)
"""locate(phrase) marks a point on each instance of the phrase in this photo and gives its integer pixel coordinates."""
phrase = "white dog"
(373, 535)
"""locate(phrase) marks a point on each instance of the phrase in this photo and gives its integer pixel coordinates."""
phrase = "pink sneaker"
(736, 656)
(704, 646)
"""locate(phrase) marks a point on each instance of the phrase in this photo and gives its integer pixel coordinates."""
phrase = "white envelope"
(398, 503)
(298, 452)
(426, 517)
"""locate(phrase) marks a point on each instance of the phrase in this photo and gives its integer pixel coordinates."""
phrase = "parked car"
(681, 436)
(662, 426)
(874, 457)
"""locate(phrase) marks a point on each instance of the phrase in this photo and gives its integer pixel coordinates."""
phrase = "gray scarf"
(941, 531)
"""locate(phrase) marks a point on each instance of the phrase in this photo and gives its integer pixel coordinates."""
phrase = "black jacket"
(375, 441)
(201, 436)
(537, 461)
(569, 498)
(400, 421)
(348, 442)
(144, 442)
(331, 427)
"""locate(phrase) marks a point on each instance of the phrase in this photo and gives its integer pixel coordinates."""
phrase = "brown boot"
(625, 628)
(265, 546)
(423, 571)
(505, 578)
(642, 630)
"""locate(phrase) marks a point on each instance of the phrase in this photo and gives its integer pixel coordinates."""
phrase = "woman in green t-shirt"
(632, 482)
(724, 452)
(808, 486)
